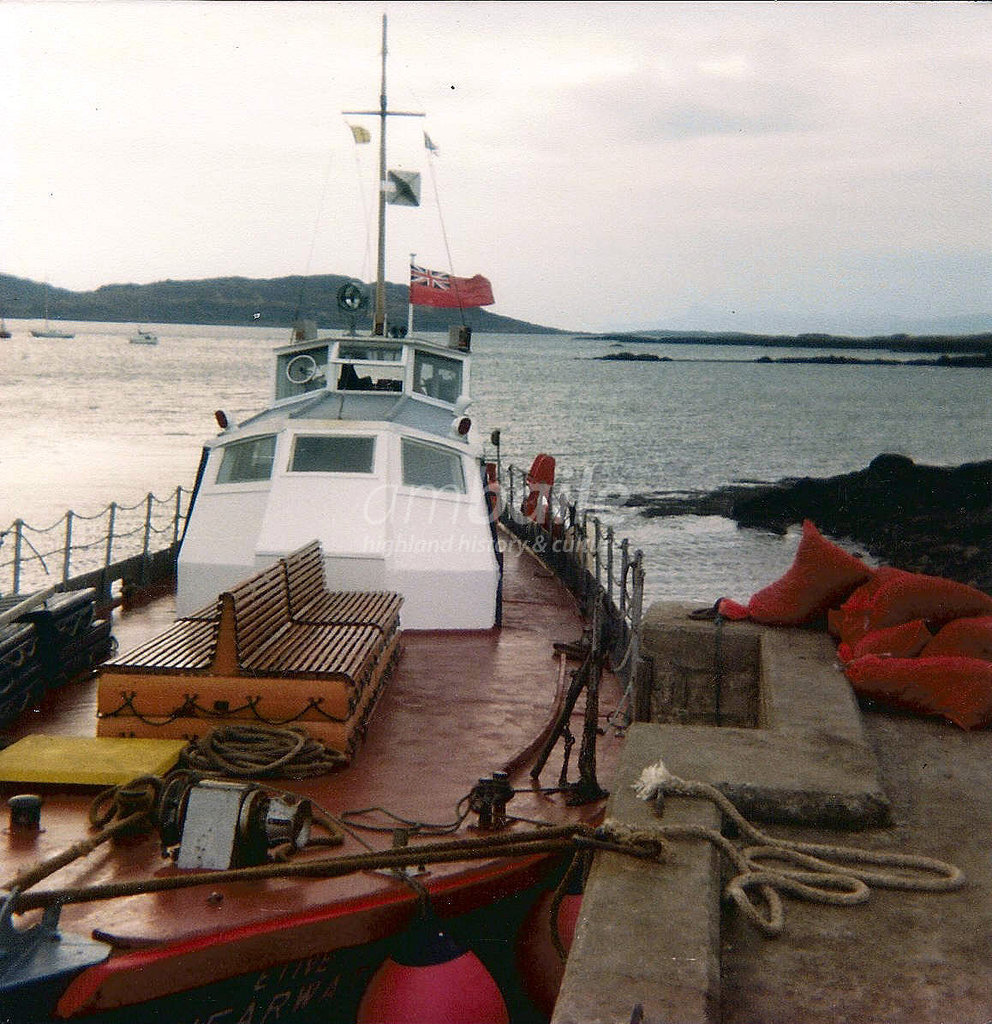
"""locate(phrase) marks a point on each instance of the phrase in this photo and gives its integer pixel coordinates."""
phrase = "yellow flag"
(361, 135)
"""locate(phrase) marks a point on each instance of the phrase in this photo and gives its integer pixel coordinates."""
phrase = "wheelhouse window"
(429, 465)
(370, 366)
(300, 371)
(437, 377)
(248, 460)
(333, 453)
(369, 352)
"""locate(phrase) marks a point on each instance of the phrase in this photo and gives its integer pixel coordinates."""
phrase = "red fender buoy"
(537, 502)
(429, 979)
(538, 963)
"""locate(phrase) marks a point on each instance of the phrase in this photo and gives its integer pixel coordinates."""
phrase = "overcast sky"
(753, 166)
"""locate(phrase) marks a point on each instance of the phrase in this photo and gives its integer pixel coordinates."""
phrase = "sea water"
(95, 419)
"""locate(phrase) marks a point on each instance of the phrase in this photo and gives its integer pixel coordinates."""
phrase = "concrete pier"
(656, 943)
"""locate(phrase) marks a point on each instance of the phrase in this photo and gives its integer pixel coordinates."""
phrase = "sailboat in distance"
(48, 331)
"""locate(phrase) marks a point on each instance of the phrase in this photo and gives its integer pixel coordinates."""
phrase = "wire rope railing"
(593, 562)
(81, 550)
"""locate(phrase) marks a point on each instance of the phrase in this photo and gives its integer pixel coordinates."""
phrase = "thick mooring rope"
(254, 751)
(819, 872)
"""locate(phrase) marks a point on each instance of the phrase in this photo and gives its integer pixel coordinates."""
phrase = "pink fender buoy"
(538, 963)
(432, 979)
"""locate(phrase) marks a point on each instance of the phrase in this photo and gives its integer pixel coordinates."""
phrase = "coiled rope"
(818, 872)
(254, 751)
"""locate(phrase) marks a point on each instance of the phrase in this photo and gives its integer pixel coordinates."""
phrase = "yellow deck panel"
(86, 760)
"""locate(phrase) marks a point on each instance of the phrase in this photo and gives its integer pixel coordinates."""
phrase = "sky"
(782, 167)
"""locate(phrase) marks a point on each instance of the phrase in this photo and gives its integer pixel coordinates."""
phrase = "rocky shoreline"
(930, 519)
(981, 360)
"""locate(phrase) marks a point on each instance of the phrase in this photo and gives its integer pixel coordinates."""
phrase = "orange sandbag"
(821, 576)
(958, 689)
(969, 638)
(905, 596)
(904, 641)
(849, 622)
(732, 610)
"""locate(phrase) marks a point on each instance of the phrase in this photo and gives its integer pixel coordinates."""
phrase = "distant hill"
(274, 302)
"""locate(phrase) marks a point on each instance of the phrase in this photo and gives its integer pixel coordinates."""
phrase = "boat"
(48, 331)
(143, 337)
(361, 606)
(51, 332)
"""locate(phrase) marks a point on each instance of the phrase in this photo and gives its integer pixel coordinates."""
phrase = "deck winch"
(215, 825)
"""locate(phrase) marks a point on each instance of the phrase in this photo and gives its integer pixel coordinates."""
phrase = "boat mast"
(409, 304)
(379, 314)
(379, 318)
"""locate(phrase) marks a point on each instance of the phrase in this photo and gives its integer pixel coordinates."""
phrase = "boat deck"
(459, 706)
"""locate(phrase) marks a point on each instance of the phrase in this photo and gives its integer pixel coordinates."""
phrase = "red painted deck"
(459, 706)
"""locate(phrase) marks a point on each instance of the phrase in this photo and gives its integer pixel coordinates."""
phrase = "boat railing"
(129, 544)
(592, 561)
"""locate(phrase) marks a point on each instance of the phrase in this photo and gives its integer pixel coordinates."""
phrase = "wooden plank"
(345, 651)
(304, 576)
(377, 608)
(187, 645)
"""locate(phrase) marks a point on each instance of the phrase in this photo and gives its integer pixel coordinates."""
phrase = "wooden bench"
(310, 601)
(247, 656)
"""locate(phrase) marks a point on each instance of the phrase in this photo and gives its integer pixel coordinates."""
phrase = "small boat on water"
(48, 331)
(51, 332)
(143, 337)
(308, 787)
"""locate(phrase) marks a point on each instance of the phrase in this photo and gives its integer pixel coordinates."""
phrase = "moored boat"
(51, 332)
(349, 612)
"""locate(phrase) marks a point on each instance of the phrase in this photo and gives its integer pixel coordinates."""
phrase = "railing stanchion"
(18, 539)
(177, 516)
(609, 564)
(624, 568)
(67, 551)
(111, 521)
(597, 553)
(148, 526)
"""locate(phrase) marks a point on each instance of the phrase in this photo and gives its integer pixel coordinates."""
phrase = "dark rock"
(930, 519)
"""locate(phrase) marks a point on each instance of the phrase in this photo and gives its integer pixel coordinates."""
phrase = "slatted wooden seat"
(311, 602)
(246, 656)
(187, 646)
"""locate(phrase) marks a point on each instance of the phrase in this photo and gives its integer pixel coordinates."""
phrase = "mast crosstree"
(383, 113)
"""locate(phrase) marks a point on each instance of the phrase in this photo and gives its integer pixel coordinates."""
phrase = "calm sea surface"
(95, 419)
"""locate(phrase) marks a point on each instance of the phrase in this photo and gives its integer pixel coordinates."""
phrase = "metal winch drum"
(216, 825)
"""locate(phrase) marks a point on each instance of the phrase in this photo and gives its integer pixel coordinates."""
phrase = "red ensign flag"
(430, 288)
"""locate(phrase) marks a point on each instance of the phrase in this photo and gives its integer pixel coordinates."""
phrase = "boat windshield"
(248, 460)
(437, 377)
(333, 453)
(431, 466)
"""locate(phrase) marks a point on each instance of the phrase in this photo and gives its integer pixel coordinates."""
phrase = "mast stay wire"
(431, 155)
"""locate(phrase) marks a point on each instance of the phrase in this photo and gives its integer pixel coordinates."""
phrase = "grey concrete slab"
(648, 934)
(807, 759)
